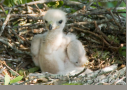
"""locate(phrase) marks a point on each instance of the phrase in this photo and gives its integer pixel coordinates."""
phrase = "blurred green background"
(11, 3)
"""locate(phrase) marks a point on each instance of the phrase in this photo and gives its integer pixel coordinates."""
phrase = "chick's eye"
(76, 62)
(60, 21)
(46, 21)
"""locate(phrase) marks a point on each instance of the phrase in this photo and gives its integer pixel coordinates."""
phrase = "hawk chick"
(53, 51)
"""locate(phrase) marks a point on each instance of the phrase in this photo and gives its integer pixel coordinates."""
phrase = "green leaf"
(124, 53)
(105, 55)
(6, 79)
(123, 48)
(60, 4)
(51, 4)
(73, 10)
(16, 79)
(32, 70)
(113, 38)
(57, 4)
(66, 6)
(22, 71)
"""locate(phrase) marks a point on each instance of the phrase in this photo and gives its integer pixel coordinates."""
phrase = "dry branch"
(88, 79)
(92, 26)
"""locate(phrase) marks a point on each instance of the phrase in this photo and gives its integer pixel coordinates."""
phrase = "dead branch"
(100, 28)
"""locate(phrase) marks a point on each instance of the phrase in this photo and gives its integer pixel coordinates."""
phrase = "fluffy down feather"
(55, 52)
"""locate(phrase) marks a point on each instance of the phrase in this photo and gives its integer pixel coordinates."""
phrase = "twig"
(37, 2)
(9, 67)
(118, 5)
(15, 49)
(3, 9)
(109, 46)
(5, 22)
(101, 33)
(79, 73)
(114, 19)
(119, 80)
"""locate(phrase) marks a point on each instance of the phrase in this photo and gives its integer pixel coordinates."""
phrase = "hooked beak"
(50, 27)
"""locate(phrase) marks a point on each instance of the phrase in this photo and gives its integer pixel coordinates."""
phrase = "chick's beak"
(50, 27)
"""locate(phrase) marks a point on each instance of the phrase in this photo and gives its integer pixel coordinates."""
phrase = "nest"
(101, 30)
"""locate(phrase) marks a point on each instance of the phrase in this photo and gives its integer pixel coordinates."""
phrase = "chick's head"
(55, 19)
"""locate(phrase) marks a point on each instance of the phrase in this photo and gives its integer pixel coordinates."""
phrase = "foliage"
(104, 54)
(113, 38)
(16, 79)
(96, 55)
(113, 4)
(31, 70)
(7, 80)
(122, 51)
(56, 4)
(11, 3)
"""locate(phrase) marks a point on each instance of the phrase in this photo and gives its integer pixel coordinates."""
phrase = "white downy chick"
(55, 52)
